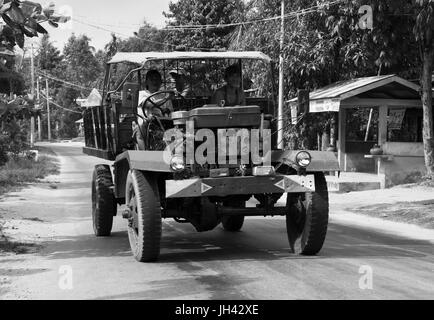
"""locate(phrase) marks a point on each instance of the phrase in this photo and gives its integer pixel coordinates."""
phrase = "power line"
(136, 35)
(288, 15)
(59, 106)
(207, 26)
(210, 26)
(70, 84)
(121, 34)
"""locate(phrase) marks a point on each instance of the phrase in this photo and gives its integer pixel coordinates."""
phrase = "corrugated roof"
(346, 89)
(143, 57)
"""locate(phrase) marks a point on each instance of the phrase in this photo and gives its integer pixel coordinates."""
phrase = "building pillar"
(382, 139)
(382, 125)
(341, 142)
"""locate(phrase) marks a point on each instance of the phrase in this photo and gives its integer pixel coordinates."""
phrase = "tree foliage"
(78, 65)
(202, 12)
(327, 45)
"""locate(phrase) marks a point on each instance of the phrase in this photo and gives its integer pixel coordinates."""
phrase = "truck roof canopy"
(142, 57)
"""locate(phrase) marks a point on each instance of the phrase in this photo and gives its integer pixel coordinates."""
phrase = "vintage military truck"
(188, 168)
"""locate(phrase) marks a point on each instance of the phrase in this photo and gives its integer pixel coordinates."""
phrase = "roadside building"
(380, 126)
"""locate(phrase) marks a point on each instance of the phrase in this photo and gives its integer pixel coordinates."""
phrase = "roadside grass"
(17, 173)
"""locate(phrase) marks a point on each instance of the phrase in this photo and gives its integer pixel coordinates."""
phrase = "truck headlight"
(303, 159)
(177, 164)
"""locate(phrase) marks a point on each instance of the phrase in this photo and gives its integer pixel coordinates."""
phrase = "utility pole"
(39, 107)
(32, 119)
(281, 102)
(48, 110)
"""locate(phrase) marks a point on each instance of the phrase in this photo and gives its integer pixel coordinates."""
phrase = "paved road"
(252, 264)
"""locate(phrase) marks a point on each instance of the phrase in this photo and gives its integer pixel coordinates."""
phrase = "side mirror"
(130, 95)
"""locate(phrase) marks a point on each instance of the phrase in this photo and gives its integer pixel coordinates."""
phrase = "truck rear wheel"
(103, 201)
(233, 223)
(307, 218)
(144, 226)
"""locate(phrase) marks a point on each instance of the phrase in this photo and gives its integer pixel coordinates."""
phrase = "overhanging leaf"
(19, 38)
(41, 29)
(30, 8)
(55, 25)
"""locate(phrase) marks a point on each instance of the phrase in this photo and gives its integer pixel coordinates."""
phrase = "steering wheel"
(157, 105)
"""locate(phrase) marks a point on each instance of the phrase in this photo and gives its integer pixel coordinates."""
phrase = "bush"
(13, 142)
(4, 143)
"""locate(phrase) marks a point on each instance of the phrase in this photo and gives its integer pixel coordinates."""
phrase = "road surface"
(358, 261)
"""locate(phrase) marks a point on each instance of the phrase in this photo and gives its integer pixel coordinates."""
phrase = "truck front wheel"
(307, 218)
(144, 225)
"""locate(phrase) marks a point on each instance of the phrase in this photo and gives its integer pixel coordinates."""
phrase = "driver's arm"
(218, 97)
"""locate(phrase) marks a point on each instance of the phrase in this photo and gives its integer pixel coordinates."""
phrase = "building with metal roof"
(391, 111)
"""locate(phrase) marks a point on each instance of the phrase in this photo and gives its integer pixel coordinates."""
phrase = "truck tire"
(233, 223)
(103, 201)
(307, 218)
(144, 228)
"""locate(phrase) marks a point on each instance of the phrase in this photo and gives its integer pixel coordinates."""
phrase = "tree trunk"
(428, 133)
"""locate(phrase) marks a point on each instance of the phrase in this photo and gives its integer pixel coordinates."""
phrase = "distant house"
(80, 125)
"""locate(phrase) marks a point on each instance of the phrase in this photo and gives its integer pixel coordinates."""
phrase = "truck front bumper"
(239, 185)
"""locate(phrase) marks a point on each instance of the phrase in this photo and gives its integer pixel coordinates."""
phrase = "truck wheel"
(233, 223)
(144, 226)
(103, 201)
(307, 218)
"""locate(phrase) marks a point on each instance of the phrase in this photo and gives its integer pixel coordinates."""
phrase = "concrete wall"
(355, 157)
(356, 162)
(403, 170)
(403, 149)
(407, 165)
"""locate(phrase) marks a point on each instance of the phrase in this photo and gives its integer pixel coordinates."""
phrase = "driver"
(232, 93)
(153, 83)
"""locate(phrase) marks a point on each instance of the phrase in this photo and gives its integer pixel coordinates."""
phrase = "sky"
(123, 17)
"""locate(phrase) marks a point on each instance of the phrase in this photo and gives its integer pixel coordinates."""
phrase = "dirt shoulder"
(412, 204)
(21, 235)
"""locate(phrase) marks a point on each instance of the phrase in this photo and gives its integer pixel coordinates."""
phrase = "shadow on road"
(220, 287)
(20, 272)
(218, 245)
(87, 246)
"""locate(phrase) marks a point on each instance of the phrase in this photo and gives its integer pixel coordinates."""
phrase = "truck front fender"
(150, 161)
